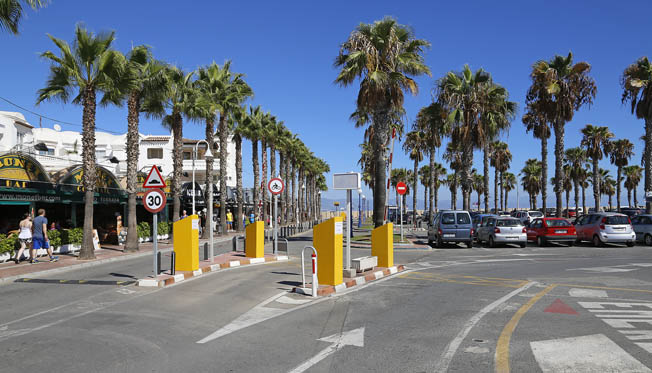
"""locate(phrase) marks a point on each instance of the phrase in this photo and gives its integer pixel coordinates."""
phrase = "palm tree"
(82, 70)
(575, 158)
(607, 186)
(460, 93)
(415, 143)
(478, 185)
(620, 152)
(637, 90)
(439, 169)
(11, 12)
(535, 121)
(424, 178)
(252, 131)
(509, 183)
(595, 140)
(431, 119)
(560, 88)
(383, 55)
(239, 132)
(454, 156)
(147, 83)
(633, 174)
(584, 174)
(452, 180)
(500, 160)
(531, 180)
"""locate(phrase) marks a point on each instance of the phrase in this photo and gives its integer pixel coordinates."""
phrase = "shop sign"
(29, 197)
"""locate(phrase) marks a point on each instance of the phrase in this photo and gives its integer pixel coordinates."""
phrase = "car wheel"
(469, 244)
(491, 242)
(596, 241)
(570, 243)
(578, 241)
(439, 243)
(630, 244)
(523, 245)
(540, 241)
(648, 239)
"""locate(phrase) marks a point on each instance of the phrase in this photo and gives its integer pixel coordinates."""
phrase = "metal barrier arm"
(314, 285)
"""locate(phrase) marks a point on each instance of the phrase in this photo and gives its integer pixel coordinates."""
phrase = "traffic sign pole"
(275, 224)
(154, 201)
(401, 207)
(276, 187)
(155, 239)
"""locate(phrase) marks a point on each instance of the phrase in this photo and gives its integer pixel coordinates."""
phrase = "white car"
(527, 216)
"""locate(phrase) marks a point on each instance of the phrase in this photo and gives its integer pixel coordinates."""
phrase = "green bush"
(144, 229)
(9, 244)
(75, 236)
(55, 238)
(163, 228)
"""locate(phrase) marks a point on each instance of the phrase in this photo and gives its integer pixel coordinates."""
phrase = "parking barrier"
(315, 283)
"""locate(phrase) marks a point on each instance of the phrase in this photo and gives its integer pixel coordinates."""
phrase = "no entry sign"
(401, 188)
(154, 200)
(275, 186)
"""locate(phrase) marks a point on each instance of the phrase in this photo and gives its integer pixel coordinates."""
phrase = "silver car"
(502, 230)
(526, 217)
(605, 227)
(643, 228)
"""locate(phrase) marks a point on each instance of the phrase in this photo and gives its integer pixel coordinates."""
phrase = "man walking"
(40, 238)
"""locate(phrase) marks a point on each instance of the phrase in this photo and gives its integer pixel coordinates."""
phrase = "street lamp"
(209, 219)
(359, 208)
(364, 208)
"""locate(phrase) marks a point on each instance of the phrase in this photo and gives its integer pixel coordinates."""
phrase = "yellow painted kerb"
(502, 348)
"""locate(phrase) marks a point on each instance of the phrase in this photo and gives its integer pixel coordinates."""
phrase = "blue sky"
(286, 50)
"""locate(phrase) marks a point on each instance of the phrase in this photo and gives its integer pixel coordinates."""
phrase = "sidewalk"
(10, 271)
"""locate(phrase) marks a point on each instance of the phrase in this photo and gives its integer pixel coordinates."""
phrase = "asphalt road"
(456, 309)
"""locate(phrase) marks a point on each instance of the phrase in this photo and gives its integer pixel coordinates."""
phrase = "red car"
(547, 230)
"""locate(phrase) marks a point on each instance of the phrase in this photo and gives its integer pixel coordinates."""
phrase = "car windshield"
(448, 219)
(536, 214)
(557, 223)
(463, 218)
(618, 219)
(508, 223)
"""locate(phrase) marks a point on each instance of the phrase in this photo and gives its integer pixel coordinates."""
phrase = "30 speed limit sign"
(154, 200)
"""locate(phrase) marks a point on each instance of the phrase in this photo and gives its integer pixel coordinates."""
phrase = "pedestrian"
(252, 218)
(184, 215)
(120, 231)
(25, 237)
(40, 238)
(229, 221)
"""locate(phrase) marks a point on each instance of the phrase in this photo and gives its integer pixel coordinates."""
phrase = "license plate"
(449, 235)
(619, 228)
(560, 231)
(512, 238)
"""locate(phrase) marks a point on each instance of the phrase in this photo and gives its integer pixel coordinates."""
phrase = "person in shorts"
(229, 221)
(40, 238)
(25, 237)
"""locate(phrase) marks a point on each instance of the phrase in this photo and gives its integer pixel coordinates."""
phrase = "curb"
(150, 282)
(330, 289)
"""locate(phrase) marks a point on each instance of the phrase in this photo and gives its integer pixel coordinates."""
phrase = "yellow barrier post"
(255, 240)
(327, 239)
(185, 239)
(382, 244)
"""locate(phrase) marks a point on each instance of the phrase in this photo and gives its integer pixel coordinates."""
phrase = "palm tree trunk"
(256, 188)
(544, 174)
(224, 135)
(177, 163)
(635, 199)
(502, 189)
(238, 172)
(294, 193)
(619, 175)
(596, 185)
(263, 186)
(629, 197)
(431, 184)
(559, 159)
(496, 178)
(568, 202)
(414, 192)
(436, 193)
(648, 162)
(380, 135)
(210, 139)
(87, 250)
(485, 178)
(584, 210)
(577, 197)
(281, 163)
(272, 161)
(611, 207)
(425, 198)
(479, 194)
(133, 107)
(505, 206)
(467, 155)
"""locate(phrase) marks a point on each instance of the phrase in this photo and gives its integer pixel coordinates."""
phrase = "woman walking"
(25, 238)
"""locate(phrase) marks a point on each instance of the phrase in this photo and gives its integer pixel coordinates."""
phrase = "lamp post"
(364, 209)
(209, 218)
(359, 208)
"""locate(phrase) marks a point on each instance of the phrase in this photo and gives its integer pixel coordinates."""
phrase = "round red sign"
(154, 200)
(401, 188)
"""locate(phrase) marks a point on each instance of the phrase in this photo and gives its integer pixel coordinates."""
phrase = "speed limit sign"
(154, 200)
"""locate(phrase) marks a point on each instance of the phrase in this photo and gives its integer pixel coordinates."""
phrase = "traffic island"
(375, 274)
(220, 262)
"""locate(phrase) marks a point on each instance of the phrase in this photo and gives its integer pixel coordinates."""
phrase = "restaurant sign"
(22, 171)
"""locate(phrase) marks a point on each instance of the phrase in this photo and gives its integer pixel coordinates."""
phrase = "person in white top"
(25, 237)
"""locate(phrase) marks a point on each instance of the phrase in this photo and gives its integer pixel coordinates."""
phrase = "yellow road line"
(467, 280)
(606, 288)
(502, 347)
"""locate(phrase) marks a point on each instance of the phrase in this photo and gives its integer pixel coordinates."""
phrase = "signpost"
(276, 187)
(154, 201)
(347, 181)
(401, 189)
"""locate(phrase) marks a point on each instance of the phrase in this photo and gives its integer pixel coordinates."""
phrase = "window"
(463, 218)
(155, 153)
(187, 156)
(617, 220)
(100, 154)
(20, 136)
(508, 223)
(644, 220)
(536, 214)
(448, 218)
(537, 223)
(558, 223)
(50, 151)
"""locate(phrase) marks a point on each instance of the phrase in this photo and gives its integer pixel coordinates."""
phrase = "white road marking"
(587, 293)
(452, 347)
(351, 338)
(287, 300)
(591, 353)
(626, 323)
(600, 305)
(637, 335)
(125, 291)
(603, 269)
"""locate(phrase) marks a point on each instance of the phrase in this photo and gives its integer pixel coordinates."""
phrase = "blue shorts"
(40, 243)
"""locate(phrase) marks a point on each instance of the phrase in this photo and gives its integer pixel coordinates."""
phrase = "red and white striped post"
(315, 283)
(389, 175)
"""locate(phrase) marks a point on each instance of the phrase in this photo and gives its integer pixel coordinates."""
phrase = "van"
(451, 226)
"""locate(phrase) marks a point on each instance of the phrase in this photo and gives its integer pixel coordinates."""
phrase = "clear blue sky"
(286, 50)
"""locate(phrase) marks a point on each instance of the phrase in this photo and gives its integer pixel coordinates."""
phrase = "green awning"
(15, 203)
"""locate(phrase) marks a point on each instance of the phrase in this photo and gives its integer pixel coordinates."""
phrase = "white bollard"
(315, 284)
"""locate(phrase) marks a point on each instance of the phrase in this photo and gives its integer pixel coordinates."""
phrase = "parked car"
(571, 213)
(527, 216)
(643, 228)
(545, 230)
(452, 226)
(478, 220)
(631, 211)
(605, 227)
(502, 230)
